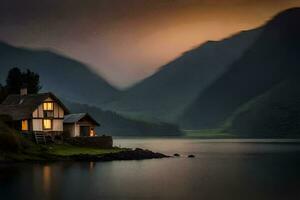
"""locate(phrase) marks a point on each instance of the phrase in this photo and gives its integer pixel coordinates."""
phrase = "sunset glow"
(125, 42)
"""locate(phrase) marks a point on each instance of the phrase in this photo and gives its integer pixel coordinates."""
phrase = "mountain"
(166, 94)
(271, 59)
(275, 113)
(65, 77)
(75, 82)
(117, 125)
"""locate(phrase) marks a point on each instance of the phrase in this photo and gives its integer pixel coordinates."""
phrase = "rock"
(176, 155)
(191, 156)
(137, 154)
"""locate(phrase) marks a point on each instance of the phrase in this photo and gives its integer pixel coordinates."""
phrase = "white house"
(35, 112)
(42, 113)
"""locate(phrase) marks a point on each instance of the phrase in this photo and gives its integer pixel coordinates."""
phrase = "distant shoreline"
(228, 139)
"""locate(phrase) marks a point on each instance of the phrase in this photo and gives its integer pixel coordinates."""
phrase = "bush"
(10, 142)
(5, 118)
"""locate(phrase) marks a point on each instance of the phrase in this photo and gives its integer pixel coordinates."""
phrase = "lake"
(223, 169)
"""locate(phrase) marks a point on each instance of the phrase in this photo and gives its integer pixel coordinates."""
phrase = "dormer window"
(48, 109)
(48, 106)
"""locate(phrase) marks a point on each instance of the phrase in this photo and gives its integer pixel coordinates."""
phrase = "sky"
(127, 40)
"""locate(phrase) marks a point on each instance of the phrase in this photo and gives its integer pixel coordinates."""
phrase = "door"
(84, 131)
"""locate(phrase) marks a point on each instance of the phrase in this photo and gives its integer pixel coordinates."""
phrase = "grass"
(14, 147)
(69, 150)
(208, 134)
(46, 152)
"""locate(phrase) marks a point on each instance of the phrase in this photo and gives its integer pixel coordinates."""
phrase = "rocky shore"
(126, 154)
(136, 154)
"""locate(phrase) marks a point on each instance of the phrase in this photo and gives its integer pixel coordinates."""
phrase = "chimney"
(23, 91)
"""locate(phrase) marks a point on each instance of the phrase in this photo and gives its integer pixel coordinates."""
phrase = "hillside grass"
(243, 108)
(70, 150)
(14, 147)
(11, 140)
(273, 114)
(53, 152)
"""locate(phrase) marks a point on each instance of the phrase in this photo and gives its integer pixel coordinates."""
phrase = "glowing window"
(92, 132)
(47, 124)
(48, 106)
(24, 125)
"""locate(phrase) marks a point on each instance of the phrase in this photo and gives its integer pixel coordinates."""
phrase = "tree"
(32, 81)
(16, 79)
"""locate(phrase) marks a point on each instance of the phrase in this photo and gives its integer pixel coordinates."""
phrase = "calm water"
(222, 169)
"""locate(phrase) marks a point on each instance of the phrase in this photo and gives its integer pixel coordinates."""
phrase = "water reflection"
(92, 165)
(219, 171)
(46, 178)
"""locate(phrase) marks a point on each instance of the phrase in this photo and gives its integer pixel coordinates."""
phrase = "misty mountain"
(271, 59)
(117, 125)
(275, 113)
(247, 83)
(65, 77)
(167, 93)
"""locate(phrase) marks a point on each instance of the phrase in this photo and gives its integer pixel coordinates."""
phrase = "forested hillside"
(118, 125)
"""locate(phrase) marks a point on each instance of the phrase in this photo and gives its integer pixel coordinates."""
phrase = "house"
(35, 112)
(45, 114)
(80, 124)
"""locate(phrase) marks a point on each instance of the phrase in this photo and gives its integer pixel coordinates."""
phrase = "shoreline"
(136, 154)
(278, 140)
(127, 154)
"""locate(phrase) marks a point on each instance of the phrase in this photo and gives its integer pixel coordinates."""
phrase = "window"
(48, 109)
(47, 124)
(92, 132)
(24, 125)
(48, 106)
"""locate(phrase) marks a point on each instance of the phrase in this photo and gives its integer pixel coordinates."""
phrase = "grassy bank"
(53, 152)
(14, 147)
(69, 150)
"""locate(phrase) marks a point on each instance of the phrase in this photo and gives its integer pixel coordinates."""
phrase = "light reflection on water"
(211, 146)
(221, 170)
(46, 178)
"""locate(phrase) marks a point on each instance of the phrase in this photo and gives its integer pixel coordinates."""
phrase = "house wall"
(37, 125)
(77, 130)
(38, 116)
(73, 130)
(58, 110)
(99, 141)
(58, 125)
(69, 129)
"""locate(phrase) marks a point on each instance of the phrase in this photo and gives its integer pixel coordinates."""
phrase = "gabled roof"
(21, 107)
(74, 118)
